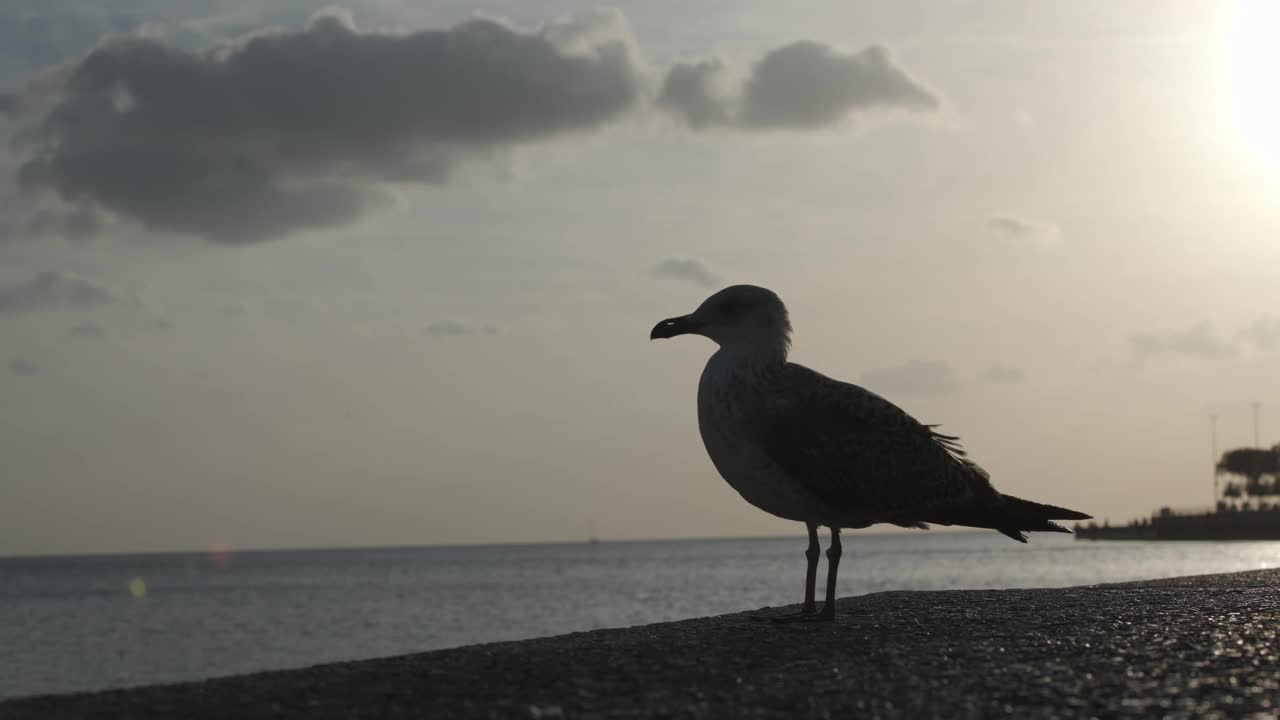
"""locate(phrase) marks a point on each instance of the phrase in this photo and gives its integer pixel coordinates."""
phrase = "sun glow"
(1251, 55)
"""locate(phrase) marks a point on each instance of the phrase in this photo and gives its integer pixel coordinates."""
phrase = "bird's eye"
(729, 308)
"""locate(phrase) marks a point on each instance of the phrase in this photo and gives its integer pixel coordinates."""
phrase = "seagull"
(805, 447)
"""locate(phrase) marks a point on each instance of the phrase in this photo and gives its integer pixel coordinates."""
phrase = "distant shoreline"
(1224, 524)
(1047, 653)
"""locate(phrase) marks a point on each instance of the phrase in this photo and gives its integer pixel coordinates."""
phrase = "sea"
(87, 623)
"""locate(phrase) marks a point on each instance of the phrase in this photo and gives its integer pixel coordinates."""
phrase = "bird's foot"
(809, 618)
(807, 614)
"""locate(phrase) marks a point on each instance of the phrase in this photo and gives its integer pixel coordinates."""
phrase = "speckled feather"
(859, 452)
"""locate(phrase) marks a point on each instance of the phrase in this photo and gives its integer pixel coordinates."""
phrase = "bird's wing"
(856, 450)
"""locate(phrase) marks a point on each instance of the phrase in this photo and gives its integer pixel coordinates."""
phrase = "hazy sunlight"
(1251, 57)
(572, 358)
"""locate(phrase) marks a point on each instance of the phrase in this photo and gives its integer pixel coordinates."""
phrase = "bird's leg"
(833, 564)
(807, 612)
(811, 555)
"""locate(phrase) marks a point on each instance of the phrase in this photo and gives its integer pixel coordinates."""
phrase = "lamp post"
(1213, 466)
(1257, 442)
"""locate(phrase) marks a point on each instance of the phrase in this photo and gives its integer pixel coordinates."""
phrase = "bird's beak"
(672, 327)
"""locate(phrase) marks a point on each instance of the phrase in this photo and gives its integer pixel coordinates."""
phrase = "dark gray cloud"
(291, 130)
(455, 328)
(1020, 231)
(1198, 341)
(1003, 374)
(23, 367)
(88, 331)
(804, 85)
(53, 290)
(686, 270)
(1264, 333)
(913, 377)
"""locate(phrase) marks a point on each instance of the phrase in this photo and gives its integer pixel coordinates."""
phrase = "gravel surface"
(1188, 647)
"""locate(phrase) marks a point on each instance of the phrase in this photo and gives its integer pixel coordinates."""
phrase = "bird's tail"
(1014, 516)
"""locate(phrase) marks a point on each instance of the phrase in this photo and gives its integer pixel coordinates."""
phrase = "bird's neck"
(750, 355)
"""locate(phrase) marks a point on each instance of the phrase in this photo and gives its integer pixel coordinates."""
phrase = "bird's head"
(743, 316)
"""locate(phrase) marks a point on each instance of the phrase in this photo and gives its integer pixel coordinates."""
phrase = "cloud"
(1022, 232)
(1198, 341)
(73, 223)
(1264, 333)
(686, 270)
(699, 94)
(801, 86)
(1003, 374)
(454, 328)
(53, 290)
(88, 331)
(286, 131)
(234, 310)
(914, 377)
(23, 367)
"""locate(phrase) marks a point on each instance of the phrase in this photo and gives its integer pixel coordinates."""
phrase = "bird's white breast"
(729, 408)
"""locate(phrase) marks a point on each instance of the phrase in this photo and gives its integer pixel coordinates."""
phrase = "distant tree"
(1249, 463)
(1255, 465)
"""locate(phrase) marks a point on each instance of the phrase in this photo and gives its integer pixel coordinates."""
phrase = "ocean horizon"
(90, 622)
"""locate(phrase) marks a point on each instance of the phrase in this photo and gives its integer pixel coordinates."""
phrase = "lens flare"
(220, 556)
(138, 588)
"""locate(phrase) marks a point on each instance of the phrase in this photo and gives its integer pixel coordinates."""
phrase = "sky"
(287, 274)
